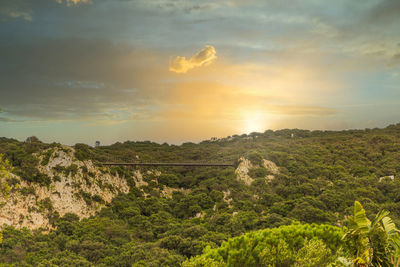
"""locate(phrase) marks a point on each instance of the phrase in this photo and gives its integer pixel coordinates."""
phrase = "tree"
(32, 139)
(372, 243)
(313, 254)
(5, 170)
(291, 245)
(256, 158)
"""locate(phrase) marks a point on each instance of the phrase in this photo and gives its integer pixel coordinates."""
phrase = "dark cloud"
(24, 9)
(77, 78)
(5, 119)
(386, 11)
(15, 9)
(395, 60)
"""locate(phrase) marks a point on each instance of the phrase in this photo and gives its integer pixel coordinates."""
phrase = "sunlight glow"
(255, 122)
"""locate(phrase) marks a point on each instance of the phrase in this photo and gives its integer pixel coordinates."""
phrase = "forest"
(328, 205)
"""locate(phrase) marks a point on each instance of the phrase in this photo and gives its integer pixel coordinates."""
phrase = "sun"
(254, 122)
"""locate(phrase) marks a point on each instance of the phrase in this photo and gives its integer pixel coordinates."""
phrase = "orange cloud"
(204, 57)
(217, 101)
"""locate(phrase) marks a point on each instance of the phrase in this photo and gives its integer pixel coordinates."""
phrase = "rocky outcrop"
(245, 165)
(243, 169)
(389, 177)
(76, 186)
(168, 191)
(272, 168)
(138, 178)
(227, 198)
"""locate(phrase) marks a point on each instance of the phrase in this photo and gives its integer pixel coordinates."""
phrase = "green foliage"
(82, 151)
(25, 191)
(46, 204)
(256, 158)
(20, 155)
(277, 255)
(372, 243)
(46, 157)
(5, 169)
(260, 172)
(72, 169)
(302, 244)
(87, 197)
(320, 176)
(97, 198)
(170, 180)
(314, 254)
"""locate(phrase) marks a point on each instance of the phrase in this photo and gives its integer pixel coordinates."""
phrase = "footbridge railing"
(172, 164)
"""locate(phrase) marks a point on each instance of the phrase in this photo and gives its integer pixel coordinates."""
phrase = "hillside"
(66, 185)
(78, 212)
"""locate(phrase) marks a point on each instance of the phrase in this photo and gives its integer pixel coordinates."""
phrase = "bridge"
(170, 164)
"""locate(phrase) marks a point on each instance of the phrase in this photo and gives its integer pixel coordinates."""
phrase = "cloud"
(103, 82)
(73, 2)
(303, 110)
(386, 11)
(15, 9)
(216, 101)
(394, 61)
(203, 57)
(23, 9)
(4, 119)
(91, 79)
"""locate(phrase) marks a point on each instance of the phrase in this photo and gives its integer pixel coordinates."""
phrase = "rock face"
(245, 165)
(272, 168)
(138, 178)
(76, 187)
(227, 198)
(243, 169)
(168, 191)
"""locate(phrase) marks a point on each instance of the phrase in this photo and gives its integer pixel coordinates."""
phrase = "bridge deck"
(187, 164)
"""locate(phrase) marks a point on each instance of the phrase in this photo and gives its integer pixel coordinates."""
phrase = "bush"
(256, 158)
(310, 244)
(258, 172)
(82, 152)
(170, 180)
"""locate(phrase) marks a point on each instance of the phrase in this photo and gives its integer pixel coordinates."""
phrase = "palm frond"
(360, 218)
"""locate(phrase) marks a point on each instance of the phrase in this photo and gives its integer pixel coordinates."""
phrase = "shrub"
(258, 172)
(313, 244)
(256, 158)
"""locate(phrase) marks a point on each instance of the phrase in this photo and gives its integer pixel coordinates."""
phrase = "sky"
(77, 71)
